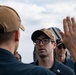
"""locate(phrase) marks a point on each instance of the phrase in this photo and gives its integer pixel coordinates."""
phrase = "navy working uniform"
(75, 68)
(9, 65)
(59, 68)
(69, 62)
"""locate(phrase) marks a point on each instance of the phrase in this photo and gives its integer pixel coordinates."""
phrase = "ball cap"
(9, 19)
(45, 31)
(59, 42)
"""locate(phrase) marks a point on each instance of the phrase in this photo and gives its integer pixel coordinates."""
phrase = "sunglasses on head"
(61, 46)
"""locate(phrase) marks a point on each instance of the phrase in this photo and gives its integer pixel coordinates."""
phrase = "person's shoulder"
(30, 69)
(32, 63)
(69, 60)
(75, 67)
(75, 64)
(64, 69)
(43, 71)
(35, 63)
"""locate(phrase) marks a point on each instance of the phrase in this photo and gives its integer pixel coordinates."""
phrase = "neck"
(10, 47)
(46, 62)
(61, 58)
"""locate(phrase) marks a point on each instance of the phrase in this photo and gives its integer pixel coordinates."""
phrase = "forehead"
(42, 36)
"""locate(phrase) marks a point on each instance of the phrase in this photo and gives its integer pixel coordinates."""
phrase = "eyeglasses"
(61, 46)
(44, 41)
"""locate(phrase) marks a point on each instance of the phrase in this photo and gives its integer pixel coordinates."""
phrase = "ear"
(16, 35)
(55, 45)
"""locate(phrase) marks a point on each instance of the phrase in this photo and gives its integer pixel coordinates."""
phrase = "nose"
(41, 43)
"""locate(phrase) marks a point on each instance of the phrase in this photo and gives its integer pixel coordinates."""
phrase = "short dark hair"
(5, 36)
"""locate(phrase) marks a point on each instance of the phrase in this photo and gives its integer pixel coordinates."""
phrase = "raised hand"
(69, 35)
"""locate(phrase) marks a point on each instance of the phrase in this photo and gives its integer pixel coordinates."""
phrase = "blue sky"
(37, 14)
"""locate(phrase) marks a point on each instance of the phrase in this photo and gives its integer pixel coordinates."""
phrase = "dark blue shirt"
(59, 68)
(75, 68)
(69, 62)
(9, 65)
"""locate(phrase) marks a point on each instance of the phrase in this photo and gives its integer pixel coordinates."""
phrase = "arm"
(69, 37)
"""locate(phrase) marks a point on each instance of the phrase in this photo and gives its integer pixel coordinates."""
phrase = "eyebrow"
(42, 38)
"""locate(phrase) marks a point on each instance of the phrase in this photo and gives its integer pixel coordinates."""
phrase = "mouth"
(41, 50)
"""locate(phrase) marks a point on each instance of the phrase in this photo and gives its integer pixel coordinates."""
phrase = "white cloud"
(39, 14)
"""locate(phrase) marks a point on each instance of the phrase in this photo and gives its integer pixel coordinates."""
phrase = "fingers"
(69, 24)
(73, 21)
(65, 26)
(73, 24)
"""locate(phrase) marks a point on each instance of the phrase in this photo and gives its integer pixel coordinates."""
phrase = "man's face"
(61, 51)
(44, 46)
